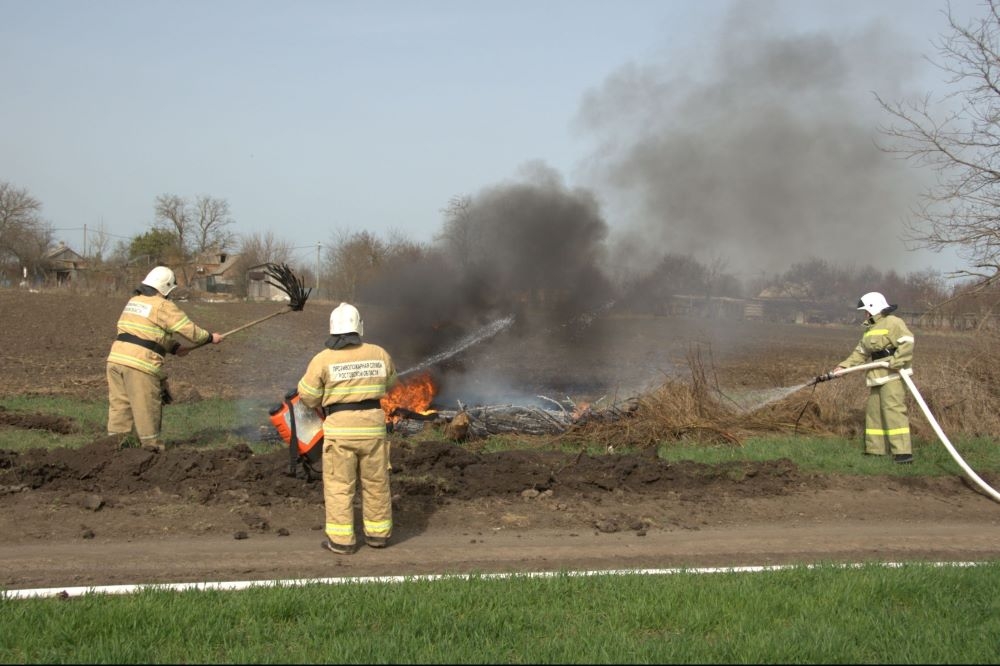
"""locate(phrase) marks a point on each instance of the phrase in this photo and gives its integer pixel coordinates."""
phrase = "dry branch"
(486, 421)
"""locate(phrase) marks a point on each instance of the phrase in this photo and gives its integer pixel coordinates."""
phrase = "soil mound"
(426, 469)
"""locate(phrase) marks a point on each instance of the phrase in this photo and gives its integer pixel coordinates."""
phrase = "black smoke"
(531, 248)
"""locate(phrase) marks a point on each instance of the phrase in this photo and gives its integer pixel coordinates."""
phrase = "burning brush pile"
(408, 408)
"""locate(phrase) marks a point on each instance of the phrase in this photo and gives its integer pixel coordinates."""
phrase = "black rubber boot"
(337, 548)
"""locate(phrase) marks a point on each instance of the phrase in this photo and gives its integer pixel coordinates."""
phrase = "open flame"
(413, 394)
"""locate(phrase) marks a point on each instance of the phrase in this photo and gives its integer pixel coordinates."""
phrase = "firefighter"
(137, 384)
(886, 337)
(348, 379)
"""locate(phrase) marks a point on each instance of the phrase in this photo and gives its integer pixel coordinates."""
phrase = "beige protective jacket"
(352, 374)
(155, 319)
(884, 333)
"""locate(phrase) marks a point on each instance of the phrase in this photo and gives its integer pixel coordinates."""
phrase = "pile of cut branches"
(485, 421)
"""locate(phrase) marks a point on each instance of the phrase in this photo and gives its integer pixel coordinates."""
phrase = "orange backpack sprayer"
(302, 429)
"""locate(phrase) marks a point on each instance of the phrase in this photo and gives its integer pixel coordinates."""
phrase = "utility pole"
(318, 246)
(85, 241)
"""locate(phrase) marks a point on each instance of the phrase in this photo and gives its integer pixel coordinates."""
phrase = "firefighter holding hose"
(886, 338)
(137, 384)
(348, 379)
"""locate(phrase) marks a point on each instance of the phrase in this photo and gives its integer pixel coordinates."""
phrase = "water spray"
(485, 332)
(491, 329)
(905, 376)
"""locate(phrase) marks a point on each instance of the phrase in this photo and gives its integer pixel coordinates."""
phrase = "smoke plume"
(759, 155)
(530, 247)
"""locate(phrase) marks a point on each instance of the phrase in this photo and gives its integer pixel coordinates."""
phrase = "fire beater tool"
(287, 282)
(905, 376)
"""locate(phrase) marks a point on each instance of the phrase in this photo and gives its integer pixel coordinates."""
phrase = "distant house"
(63, 266)
(259, 288)
(791, 302)
(215, 272)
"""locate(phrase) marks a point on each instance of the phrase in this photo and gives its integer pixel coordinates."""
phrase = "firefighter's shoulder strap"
(293, 441)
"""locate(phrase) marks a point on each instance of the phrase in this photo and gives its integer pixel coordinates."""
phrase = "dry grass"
(961, 387)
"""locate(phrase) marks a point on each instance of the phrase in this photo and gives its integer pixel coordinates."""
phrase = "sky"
(740, 132)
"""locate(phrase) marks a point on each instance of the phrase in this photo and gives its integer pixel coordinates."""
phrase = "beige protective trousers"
(887, 428)
(134, 400)
(344, 460)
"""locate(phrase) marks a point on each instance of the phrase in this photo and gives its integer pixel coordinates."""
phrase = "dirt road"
(185, 516)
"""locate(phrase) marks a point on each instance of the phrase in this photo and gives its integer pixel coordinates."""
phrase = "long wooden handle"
(254, 323)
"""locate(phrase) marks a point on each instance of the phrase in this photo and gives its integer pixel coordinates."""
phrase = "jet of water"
(485, 332)
(755, 400)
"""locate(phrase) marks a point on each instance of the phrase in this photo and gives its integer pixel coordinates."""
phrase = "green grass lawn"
(915, 613)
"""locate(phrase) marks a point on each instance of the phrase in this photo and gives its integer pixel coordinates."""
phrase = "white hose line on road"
(944, 438)
(66, 592)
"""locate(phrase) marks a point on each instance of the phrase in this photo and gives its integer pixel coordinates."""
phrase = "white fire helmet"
(161, 279)
(345, 318)
(873, 303)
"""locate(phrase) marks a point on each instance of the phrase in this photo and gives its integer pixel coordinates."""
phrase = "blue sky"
(318, 117)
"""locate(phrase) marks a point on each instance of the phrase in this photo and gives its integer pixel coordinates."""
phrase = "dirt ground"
(98, 515)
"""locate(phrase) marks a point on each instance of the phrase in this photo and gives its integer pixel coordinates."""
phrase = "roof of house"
(215, 263)
(64, 253)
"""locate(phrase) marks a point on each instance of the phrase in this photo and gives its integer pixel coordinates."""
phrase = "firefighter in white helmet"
(137, 384)
(348, 379)
(886, 337)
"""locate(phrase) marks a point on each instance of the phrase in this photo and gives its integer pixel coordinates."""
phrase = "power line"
(91, 232)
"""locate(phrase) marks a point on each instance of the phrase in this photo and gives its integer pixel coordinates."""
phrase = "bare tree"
(401, 249)
(172, 214)
(260, 248)
(458, 233)
(98, 242)
(24, 236)
(353, 259)
(211, 219)
(199, 226)
(961, 209)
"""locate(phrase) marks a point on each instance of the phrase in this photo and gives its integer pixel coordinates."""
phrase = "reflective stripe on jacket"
(351, 374)
(156, 319)
(883, 333)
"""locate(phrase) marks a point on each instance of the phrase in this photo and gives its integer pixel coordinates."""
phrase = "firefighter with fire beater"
(347, 380)
(886, 337)
(137, 384)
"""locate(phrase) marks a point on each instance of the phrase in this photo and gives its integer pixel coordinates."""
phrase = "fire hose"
(905, 376)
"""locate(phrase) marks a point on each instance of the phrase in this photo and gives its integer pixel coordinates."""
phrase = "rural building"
(63, 266)
(215, 272)
(258, 287)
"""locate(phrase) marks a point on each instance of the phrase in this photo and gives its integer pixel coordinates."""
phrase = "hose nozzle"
(825, 377)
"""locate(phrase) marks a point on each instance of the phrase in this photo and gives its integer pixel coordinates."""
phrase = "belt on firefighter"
(883, 353)
(374, 403)
(148, 344)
